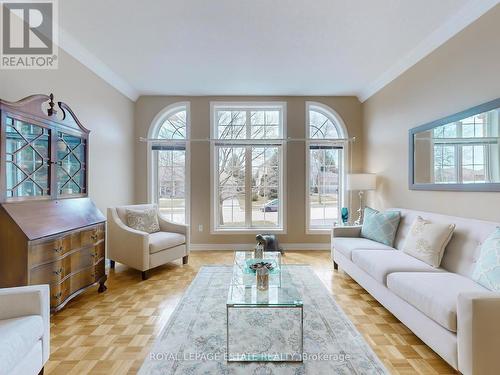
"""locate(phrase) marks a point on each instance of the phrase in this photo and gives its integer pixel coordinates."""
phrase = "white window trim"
(152, 162)
(245, 106)
(328, 112)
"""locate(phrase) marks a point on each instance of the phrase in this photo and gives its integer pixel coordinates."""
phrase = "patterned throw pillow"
(427, 241)
(143, 220)
(380, 226)
(487, 271)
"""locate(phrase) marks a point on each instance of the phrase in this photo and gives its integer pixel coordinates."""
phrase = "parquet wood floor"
(111, 333)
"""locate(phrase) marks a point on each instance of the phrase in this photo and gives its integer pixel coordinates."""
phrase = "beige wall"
(147, 107)
(102, 109)
(464, 72)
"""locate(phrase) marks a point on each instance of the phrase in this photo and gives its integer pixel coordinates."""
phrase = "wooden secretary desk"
(50, 230)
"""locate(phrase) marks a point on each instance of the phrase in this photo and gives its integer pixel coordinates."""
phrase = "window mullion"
(248, 186)
(340, 186)
(156, 195)
(458, 163)
(486, 163)
(248, 125)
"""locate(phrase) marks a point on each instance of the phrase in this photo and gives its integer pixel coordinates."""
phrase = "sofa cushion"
(487, 270)
(464, 247)
(345, 245)
(164, 240)
(380, 226)
(380, 263)
(426, 240)
(433, 293)
(17, 338)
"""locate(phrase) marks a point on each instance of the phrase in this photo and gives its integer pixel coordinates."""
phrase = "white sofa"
(24, 330)
(458, 318)
(141, 250)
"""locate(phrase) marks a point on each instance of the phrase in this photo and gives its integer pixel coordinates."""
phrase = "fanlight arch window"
(174, 126)
(326, 153)
(168, 168)
(324, 123)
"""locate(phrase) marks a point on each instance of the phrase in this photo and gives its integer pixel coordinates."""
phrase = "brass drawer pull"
(59, 249)
(58, 272)
(57, 295)
(94, 237)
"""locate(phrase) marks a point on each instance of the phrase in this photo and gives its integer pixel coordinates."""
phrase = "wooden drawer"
(53, 273)
(50, 250)
(59, 293)
(92, 235)
(99, 252)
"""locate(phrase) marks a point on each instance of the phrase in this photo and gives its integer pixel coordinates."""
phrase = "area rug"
(194, 339)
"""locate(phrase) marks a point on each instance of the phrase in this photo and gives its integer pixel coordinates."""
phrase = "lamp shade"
(361, 181)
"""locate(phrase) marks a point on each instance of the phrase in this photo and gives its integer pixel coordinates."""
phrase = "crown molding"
(463, 18)
(74, 48)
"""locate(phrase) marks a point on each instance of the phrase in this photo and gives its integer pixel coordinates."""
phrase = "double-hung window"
(168, 162)
(325, 155)
(248, 165)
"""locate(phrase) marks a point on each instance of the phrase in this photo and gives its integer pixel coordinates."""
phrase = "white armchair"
(24, 330)
(144, 251)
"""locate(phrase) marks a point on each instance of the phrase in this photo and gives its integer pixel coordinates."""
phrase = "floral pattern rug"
(194, 339)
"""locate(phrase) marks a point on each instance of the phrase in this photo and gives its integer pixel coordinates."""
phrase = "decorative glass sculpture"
(345, 215)
(259, 251)
(262, 278)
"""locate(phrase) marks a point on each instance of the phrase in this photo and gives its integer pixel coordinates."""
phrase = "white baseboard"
(243, 246)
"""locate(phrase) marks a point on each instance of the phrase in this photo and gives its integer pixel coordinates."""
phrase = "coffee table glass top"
(243, 289)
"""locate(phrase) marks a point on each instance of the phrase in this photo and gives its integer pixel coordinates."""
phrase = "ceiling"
(271, 47)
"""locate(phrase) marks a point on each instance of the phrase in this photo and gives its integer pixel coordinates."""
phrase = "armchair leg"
(335, 266)
(185, 259)
(145, 275)
(111, 263)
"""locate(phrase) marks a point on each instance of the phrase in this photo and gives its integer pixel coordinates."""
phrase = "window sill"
(319, 231)
(248, 231)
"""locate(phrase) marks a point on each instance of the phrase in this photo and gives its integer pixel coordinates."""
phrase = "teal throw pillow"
(380, 226)
(487, 271)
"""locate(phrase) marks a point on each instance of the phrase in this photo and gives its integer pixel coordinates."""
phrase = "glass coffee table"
(263, 325)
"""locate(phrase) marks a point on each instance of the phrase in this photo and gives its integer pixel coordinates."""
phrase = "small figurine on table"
(269, 242)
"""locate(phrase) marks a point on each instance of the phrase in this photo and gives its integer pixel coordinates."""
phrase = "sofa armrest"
(478, 333)
(168, 226)
(28, 300)
(126, 245)
(347, 231)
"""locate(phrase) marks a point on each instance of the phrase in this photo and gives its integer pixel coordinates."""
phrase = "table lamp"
(361, 182)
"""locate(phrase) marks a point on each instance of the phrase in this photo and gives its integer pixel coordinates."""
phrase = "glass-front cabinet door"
(43, 150)
(71, 165)
(43, 161)
(27, 159)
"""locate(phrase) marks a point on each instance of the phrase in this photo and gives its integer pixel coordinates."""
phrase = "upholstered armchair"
(24, 329)
(141, 250)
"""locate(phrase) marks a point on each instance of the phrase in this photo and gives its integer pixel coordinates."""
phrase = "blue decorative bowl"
(272, 266)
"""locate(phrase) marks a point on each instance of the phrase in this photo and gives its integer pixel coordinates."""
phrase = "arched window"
(326, 142)
(168, 155)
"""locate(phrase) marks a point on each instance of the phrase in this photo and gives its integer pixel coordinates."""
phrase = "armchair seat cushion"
(165, 240)
(17, 337)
